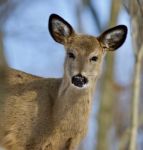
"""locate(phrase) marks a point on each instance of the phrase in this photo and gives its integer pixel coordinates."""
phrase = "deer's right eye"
(71, 55)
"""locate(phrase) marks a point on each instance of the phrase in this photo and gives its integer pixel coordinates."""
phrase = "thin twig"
(96, 18)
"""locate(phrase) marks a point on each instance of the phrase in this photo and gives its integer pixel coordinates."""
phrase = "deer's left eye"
(71, 55)
(94, 58)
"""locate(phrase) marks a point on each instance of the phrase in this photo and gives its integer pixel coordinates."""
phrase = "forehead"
(84, 43)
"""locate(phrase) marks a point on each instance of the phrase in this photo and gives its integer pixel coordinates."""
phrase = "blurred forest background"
(116, 121)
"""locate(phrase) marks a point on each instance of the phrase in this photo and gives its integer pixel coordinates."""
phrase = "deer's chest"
(75, 118)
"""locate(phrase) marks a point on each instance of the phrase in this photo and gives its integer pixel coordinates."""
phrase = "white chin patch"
(80, 87)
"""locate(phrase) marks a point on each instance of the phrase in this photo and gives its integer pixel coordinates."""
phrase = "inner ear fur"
(113, 38)
(59, 29)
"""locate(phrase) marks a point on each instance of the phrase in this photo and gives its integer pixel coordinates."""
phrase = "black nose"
(79, 80)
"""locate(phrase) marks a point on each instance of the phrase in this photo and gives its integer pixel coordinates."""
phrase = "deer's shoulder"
(21, 81)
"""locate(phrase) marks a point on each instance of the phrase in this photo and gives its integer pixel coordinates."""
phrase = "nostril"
(85, 80)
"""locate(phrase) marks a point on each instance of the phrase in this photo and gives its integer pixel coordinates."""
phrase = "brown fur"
(50, 114)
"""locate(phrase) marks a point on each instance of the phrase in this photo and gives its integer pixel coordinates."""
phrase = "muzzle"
(79, 80)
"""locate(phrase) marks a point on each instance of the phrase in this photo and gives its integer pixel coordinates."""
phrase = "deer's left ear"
(114, 37)
(59, 29)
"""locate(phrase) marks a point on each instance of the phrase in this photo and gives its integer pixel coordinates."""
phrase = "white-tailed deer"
(52, 114)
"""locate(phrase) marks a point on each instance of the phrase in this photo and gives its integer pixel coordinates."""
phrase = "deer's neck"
(72, 99)
(69, 93)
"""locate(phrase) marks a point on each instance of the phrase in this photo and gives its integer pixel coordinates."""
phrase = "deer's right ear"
(114, 37)
(59, 29)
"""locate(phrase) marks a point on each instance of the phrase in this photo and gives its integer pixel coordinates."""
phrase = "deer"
(52, 113)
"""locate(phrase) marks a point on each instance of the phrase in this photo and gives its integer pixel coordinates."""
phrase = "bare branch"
(94, 13)
(140, 6)
(135, 101)
(96, 18)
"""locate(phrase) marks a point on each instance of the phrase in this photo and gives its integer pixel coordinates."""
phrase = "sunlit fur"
(51, 114)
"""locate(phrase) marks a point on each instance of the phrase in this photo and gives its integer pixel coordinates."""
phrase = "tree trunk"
(107, 100)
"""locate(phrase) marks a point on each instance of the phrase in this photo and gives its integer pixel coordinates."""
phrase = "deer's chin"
(79, 86)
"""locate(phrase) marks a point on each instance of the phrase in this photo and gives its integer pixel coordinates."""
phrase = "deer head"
(84, 53)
